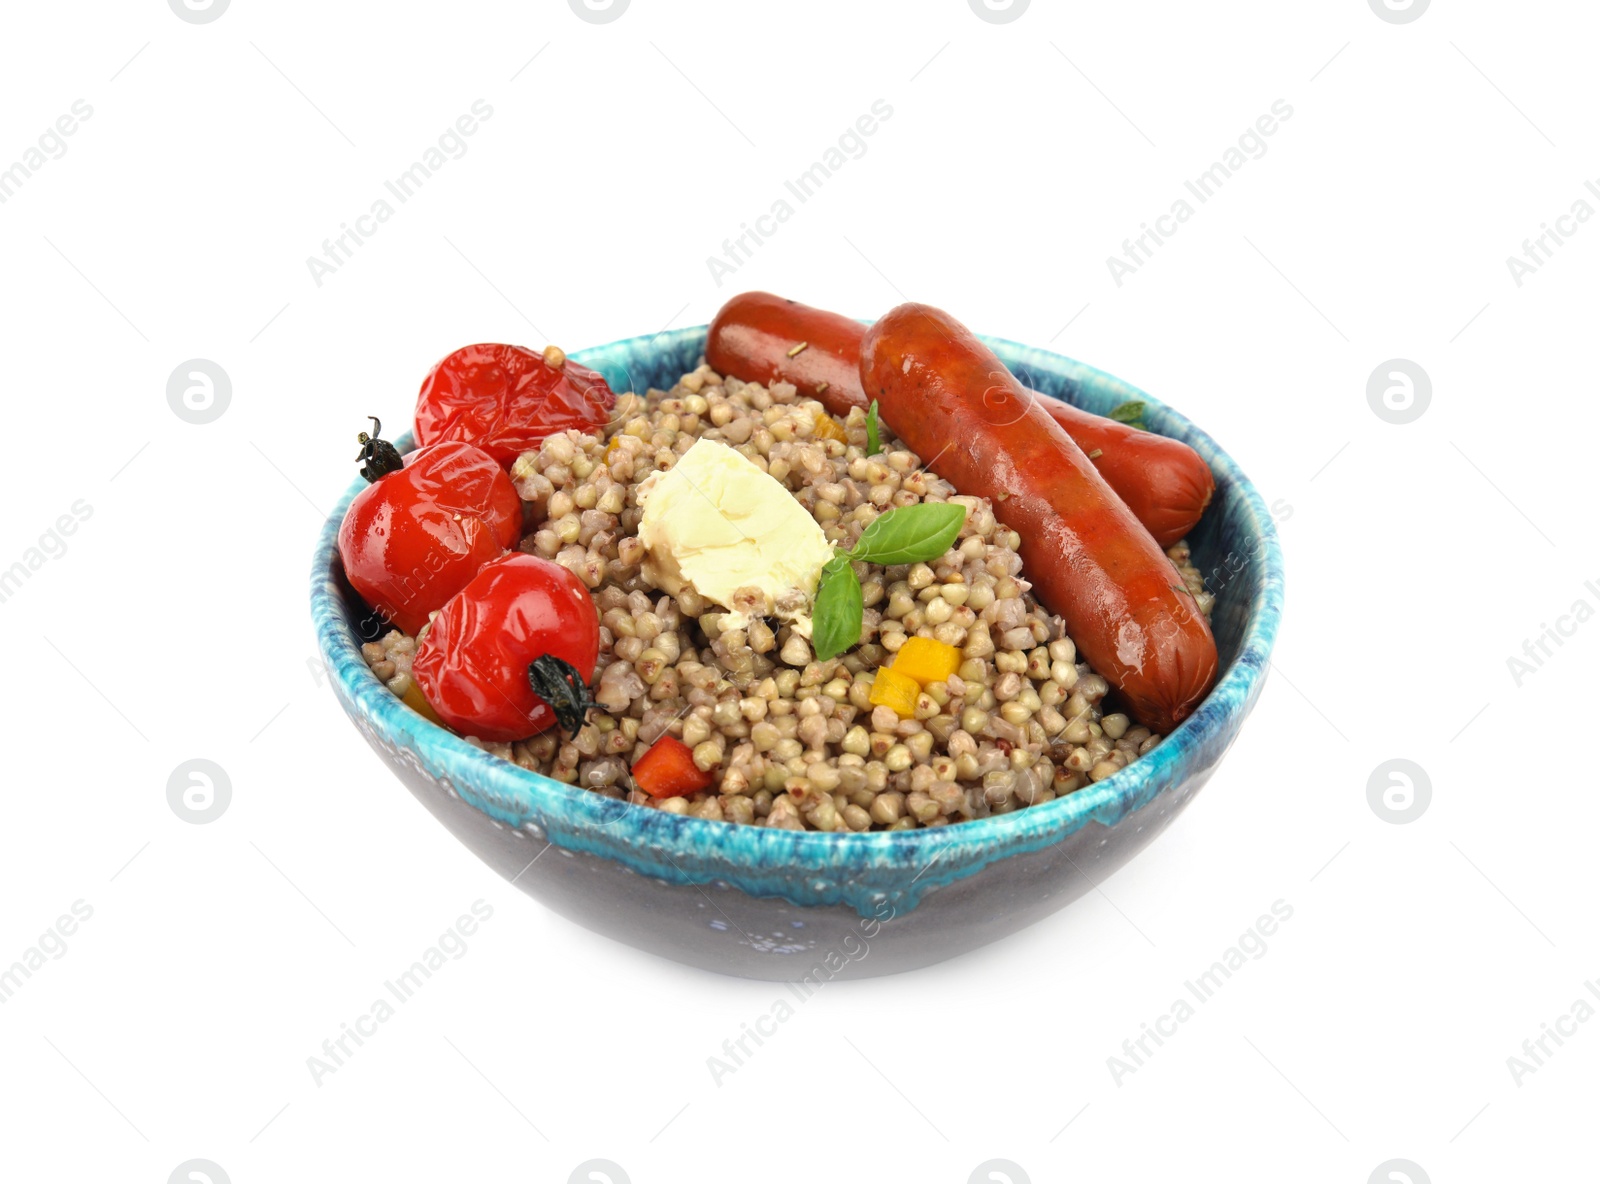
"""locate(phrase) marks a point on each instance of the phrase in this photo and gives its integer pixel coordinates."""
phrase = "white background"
(177, 224)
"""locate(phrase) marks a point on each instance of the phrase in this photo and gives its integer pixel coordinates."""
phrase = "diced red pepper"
(668, 770)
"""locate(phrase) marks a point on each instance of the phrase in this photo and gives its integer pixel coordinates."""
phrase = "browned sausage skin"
(1163, 481)
(764, 338)
(1088, 558)
(759, 337)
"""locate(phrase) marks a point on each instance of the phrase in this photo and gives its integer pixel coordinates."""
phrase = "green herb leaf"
(911, 534)
(1130, 413)
(872, 429)
(836, 614)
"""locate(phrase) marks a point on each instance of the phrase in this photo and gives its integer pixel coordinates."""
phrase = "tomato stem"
(560, 685)
(381, 457)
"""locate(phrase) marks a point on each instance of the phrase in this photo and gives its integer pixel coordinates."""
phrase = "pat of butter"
(717, 521)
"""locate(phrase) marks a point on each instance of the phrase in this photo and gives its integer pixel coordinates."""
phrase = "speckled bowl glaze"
(805, 906)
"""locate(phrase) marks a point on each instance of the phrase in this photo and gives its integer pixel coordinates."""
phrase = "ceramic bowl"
(807, 907)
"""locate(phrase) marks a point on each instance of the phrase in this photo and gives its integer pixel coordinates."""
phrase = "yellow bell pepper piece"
(894, 690)
(827, 429)
(926, 660)
(413, 698)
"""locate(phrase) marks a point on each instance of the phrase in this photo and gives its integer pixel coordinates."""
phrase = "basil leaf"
(911, 534)
(872, 429)
(1131, 413)
(836, 613)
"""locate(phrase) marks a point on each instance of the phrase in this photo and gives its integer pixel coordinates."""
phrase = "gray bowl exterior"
(808, 908)
(717, 927)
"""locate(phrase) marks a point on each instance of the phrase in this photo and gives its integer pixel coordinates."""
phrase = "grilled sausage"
(956, 405)
(764, 338)
(759, 337)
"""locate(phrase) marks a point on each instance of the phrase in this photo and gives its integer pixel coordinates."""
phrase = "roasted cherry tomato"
(413, 538)
(513, 653)
(668, 770)
(507, 399)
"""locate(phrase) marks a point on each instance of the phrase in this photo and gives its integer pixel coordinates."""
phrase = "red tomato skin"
(668, 770)
(473, 663)
(412, 539)
(506, 399)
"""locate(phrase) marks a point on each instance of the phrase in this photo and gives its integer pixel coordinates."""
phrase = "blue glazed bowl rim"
(642, 837)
